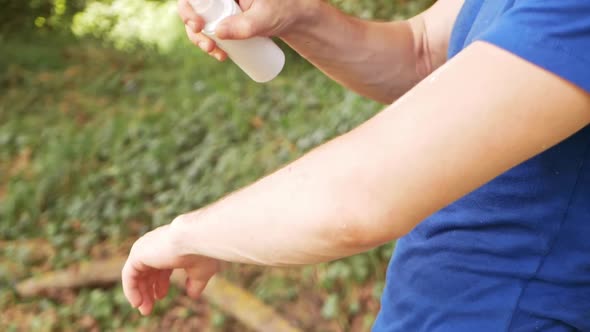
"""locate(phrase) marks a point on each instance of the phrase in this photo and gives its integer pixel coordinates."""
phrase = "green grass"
(98, 146)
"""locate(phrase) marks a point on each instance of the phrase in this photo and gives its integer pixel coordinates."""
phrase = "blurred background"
(112, 124)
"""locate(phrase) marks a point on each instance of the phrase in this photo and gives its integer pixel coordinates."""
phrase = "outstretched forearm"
(308, 212)
(448, 136)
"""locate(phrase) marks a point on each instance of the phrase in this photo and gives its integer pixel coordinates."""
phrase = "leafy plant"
(99, 146)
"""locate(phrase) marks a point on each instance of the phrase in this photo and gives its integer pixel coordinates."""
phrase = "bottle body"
(259, 57)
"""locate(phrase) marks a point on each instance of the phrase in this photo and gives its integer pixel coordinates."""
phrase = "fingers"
(194, 287)
(162, 284)
(218, 54)
(198, 39)
(199, 275)
(206, 44)
(257, 19)
(147, 303)
(131, 280)
(193, 26)
(189, 17)
(242, 26)
(142, 286)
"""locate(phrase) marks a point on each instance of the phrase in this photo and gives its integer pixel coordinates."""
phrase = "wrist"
(181, 232)
(306, 17)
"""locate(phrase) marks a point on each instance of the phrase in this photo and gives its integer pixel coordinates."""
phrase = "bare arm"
(449, 135)
(380, 60)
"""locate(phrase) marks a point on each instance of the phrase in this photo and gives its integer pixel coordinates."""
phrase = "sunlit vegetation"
(112, 124)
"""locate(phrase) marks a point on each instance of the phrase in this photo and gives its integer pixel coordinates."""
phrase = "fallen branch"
(12, 271)
(233, 300)
(102, 273)
(242, 305)
(28, 244)
(28, 251)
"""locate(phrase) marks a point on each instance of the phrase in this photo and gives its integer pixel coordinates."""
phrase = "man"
(481, 168)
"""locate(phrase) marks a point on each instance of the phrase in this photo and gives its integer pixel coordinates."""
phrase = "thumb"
(194, 287)
(241, 26)
(199, 275)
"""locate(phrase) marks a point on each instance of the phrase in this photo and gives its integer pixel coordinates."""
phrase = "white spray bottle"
(258, 57)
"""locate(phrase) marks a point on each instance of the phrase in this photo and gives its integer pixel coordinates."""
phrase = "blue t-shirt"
(513, 255)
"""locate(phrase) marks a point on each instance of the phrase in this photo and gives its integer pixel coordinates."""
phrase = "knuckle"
(208, 40)
(184, 11)
(179, 220)
(247, 28)
(199, 22)
(133, 251)
(197, 37)
(207, 46)
(193, 38)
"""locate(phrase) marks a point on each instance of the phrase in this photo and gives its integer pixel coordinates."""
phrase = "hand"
(146, 274)
(259, 18)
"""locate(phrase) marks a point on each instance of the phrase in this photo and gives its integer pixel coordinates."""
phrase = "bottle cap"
(210, 10)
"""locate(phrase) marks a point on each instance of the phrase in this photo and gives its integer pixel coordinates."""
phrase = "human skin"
(380, 60)
(476, 116)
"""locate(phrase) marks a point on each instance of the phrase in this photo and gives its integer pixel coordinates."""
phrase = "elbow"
(422, 51)
(369, 232)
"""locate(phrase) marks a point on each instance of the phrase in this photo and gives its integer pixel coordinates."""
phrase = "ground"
(98, 146)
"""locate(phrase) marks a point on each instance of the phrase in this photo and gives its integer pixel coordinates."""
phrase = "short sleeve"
(553, 34)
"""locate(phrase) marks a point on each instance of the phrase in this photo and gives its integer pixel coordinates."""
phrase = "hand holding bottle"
(264, 18)
(259, 57)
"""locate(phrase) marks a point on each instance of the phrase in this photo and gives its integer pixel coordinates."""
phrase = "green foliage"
(384, 10)
(99, 145)
(30, 14)
(330, 310)
(127, 23)
(148, 22)
(130, 144)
